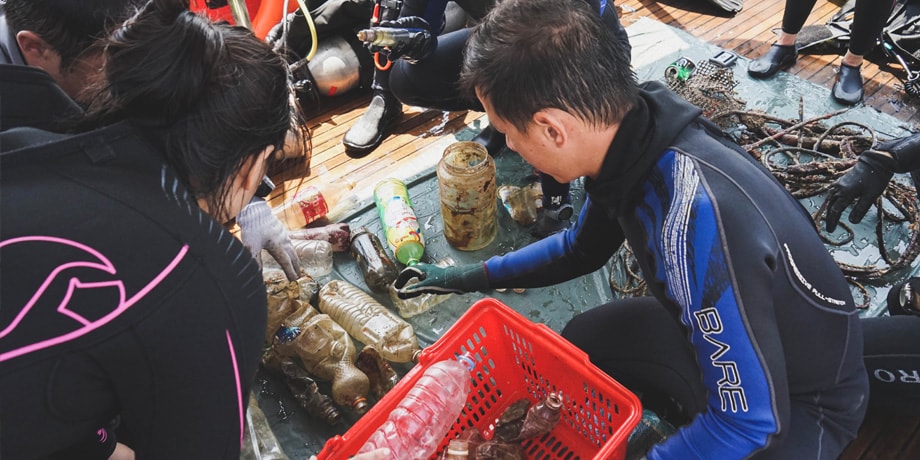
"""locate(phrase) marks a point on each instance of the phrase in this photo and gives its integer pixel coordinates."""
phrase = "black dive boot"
(491, 139)
(368, 132)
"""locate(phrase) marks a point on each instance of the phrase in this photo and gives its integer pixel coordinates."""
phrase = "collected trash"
(369, 322)
(466, 186)
(336, 234)
(408, 308)
(399, 221)
(327, 352)
(415, 428)
(378, 269)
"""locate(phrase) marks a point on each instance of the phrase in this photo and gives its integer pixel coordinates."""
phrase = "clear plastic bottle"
(369, 322)
(336, 234)
(315, 256)
(303, 387)
(312, 203)
(327, 352)
(378, 269)
(457, 449)
(542, 417)
(399, 221)
(259, 441)
(408, 308)
(418, 424)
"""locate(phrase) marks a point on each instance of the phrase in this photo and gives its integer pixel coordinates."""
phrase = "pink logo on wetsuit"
(93, 260)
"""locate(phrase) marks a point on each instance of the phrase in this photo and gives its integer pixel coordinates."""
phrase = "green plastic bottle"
(399, 221)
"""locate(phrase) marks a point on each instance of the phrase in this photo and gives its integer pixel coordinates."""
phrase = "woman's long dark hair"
(211, 94)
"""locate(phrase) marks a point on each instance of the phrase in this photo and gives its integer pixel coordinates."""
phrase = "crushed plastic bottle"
(418, 424)
(284, 298)
(408, 308)
(304, 389)
(382, 376)
(335, 234)
(315, 256)
(259, 441)
(369, 322)
(327, 352)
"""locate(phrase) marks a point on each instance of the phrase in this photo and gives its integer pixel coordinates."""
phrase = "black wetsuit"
(120, 297)
(752, 321)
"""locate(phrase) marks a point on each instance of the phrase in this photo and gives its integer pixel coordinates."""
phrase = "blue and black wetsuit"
(752, 326)
(120, 297)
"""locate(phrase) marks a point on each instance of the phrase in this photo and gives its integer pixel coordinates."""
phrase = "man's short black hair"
(530, 55)
(69, 26)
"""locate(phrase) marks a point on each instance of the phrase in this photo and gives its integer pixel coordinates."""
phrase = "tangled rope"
(807, 158)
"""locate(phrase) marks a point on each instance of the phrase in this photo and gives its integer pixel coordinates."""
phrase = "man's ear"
(37, 52)
(256, 169)
(551, 124)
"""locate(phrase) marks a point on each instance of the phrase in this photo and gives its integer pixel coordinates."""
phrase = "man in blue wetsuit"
(752, 330)
(424, 73)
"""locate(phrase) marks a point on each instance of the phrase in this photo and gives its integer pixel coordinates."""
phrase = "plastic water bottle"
(399, 221)
(369, 322)
(336, 234)
(408, 308)
(416, 427)
(327, 352)
(315, 256)
(331, 201)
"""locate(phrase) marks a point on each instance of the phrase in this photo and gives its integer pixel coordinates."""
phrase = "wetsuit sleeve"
(723, 285)
(579, 250)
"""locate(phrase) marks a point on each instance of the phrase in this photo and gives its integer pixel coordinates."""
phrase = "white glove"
(260, 229)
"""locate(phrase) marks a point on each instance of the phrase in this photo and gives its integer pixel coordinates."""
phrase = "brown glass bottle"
(378, 269)
(542, 417)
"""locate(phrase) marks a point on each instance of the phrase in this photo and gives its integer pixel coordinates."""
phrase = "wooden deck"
(749, 34)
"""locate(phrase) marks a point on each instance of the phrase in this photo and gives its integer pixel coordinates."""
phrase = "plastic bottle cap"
(467, 361)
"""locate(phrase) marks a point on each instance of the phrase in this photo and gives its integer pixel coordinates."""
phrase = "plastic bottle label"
(312, 204)
(396, 214)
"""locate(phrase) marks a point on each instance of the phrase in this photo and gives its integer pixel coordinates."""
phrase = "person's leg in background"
(782, 54)
(368, 132)
(869, 19)
(640, 344)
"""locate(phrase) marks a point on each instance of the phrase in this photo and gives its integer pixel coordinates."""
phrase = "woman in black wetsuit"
(123, 295)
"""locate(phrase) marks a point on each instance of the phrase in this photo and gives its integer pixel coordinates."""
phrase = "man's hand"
(415, 50)
(432, 279)
(260, 229)
(863, 183)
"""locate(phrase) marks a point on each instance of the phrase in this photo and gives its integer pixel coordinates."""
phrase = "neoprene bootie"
(848, 87)
(368, 132)
(491, 139)
(779, 57)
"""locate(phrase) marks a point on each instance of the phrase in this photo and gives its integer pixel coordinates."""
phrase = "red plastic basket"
(516, 358)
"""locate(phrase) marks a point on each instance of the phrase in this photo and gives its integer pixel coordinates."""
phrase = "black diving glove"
(296, 44)
(432, 279)
(863, 183)
(413, 50)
